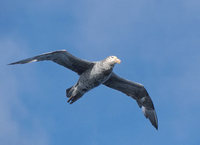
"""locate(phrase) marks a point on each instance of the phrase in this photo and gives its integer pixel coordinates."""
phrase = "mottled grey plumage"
(92, 74)
(137, 92)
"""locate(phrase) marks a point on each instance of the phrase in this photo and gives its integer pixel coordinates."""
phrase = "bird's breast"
(94, 77)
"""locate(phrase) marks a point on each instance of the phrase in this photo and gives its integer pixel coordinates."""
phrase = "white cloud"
(13, 112)
(101, 24)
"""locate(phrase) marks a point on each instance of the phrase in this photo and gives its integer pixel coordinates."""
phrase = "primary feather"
(61, 57)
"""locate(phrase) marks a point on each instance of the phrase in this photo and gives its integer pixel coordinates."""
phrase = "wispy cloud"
(13, 112)
(158, 40)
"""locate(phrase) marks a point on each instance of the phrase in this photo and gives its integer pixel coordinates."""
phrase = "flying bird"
(93, 74)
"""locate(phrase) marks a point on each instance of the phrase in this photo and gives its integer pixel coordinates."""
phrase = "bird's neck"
(106, 65)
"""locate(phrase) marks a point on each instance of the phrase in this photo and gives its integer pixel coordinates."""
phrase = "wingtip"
(151, 115)
(11, 63)
(156, 126)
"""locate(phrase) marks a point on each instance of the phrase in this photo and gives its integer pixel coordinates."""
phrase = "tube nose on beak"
(118, 61)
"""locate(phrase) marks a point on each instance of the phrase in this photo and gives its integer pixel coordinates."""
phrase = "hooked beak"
(118, 61)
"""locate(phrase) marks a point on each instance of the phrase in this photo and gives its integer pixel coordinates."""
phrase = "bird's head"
(113, 60)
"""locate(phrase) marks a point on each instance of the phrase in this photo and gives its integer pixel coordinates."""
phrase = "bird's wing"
(61, 57)
(137, 92)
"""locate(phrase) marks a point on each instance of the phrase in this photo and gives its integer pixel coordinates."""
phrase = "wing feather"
(61, 57)
(137, 92)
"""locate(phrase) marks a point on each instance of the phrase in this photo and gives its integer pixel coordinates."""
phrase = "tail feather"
(73, 99)
(73, 95)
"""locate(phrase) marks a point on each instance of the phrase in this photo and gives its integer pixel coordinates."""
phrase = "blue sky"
(158, 43)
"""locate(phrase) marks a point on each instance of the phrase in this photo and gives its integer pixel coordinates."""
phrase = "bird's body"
(93, 74)
(97, 74)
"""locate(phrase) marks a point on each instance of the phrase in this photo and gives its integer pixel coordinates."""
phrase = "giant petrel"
(93, 74)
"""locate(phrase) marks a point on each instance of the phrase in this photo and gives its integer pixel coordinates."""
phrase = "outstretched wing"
(61, 57)
(137, 92)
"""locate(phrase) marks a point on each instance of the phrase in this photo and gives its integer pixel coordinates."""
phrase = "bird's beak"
(118, 61)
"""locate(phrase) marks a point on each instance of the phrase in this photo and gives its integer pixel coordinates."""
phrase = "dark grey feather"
(137, 92)
(61, 57)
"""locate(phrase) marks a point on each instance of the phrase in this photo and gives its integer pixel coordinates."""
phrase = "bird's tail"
(73, 95)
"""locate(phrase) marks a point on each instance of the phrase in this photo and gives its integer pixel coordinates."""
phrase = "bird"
(95, 73)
